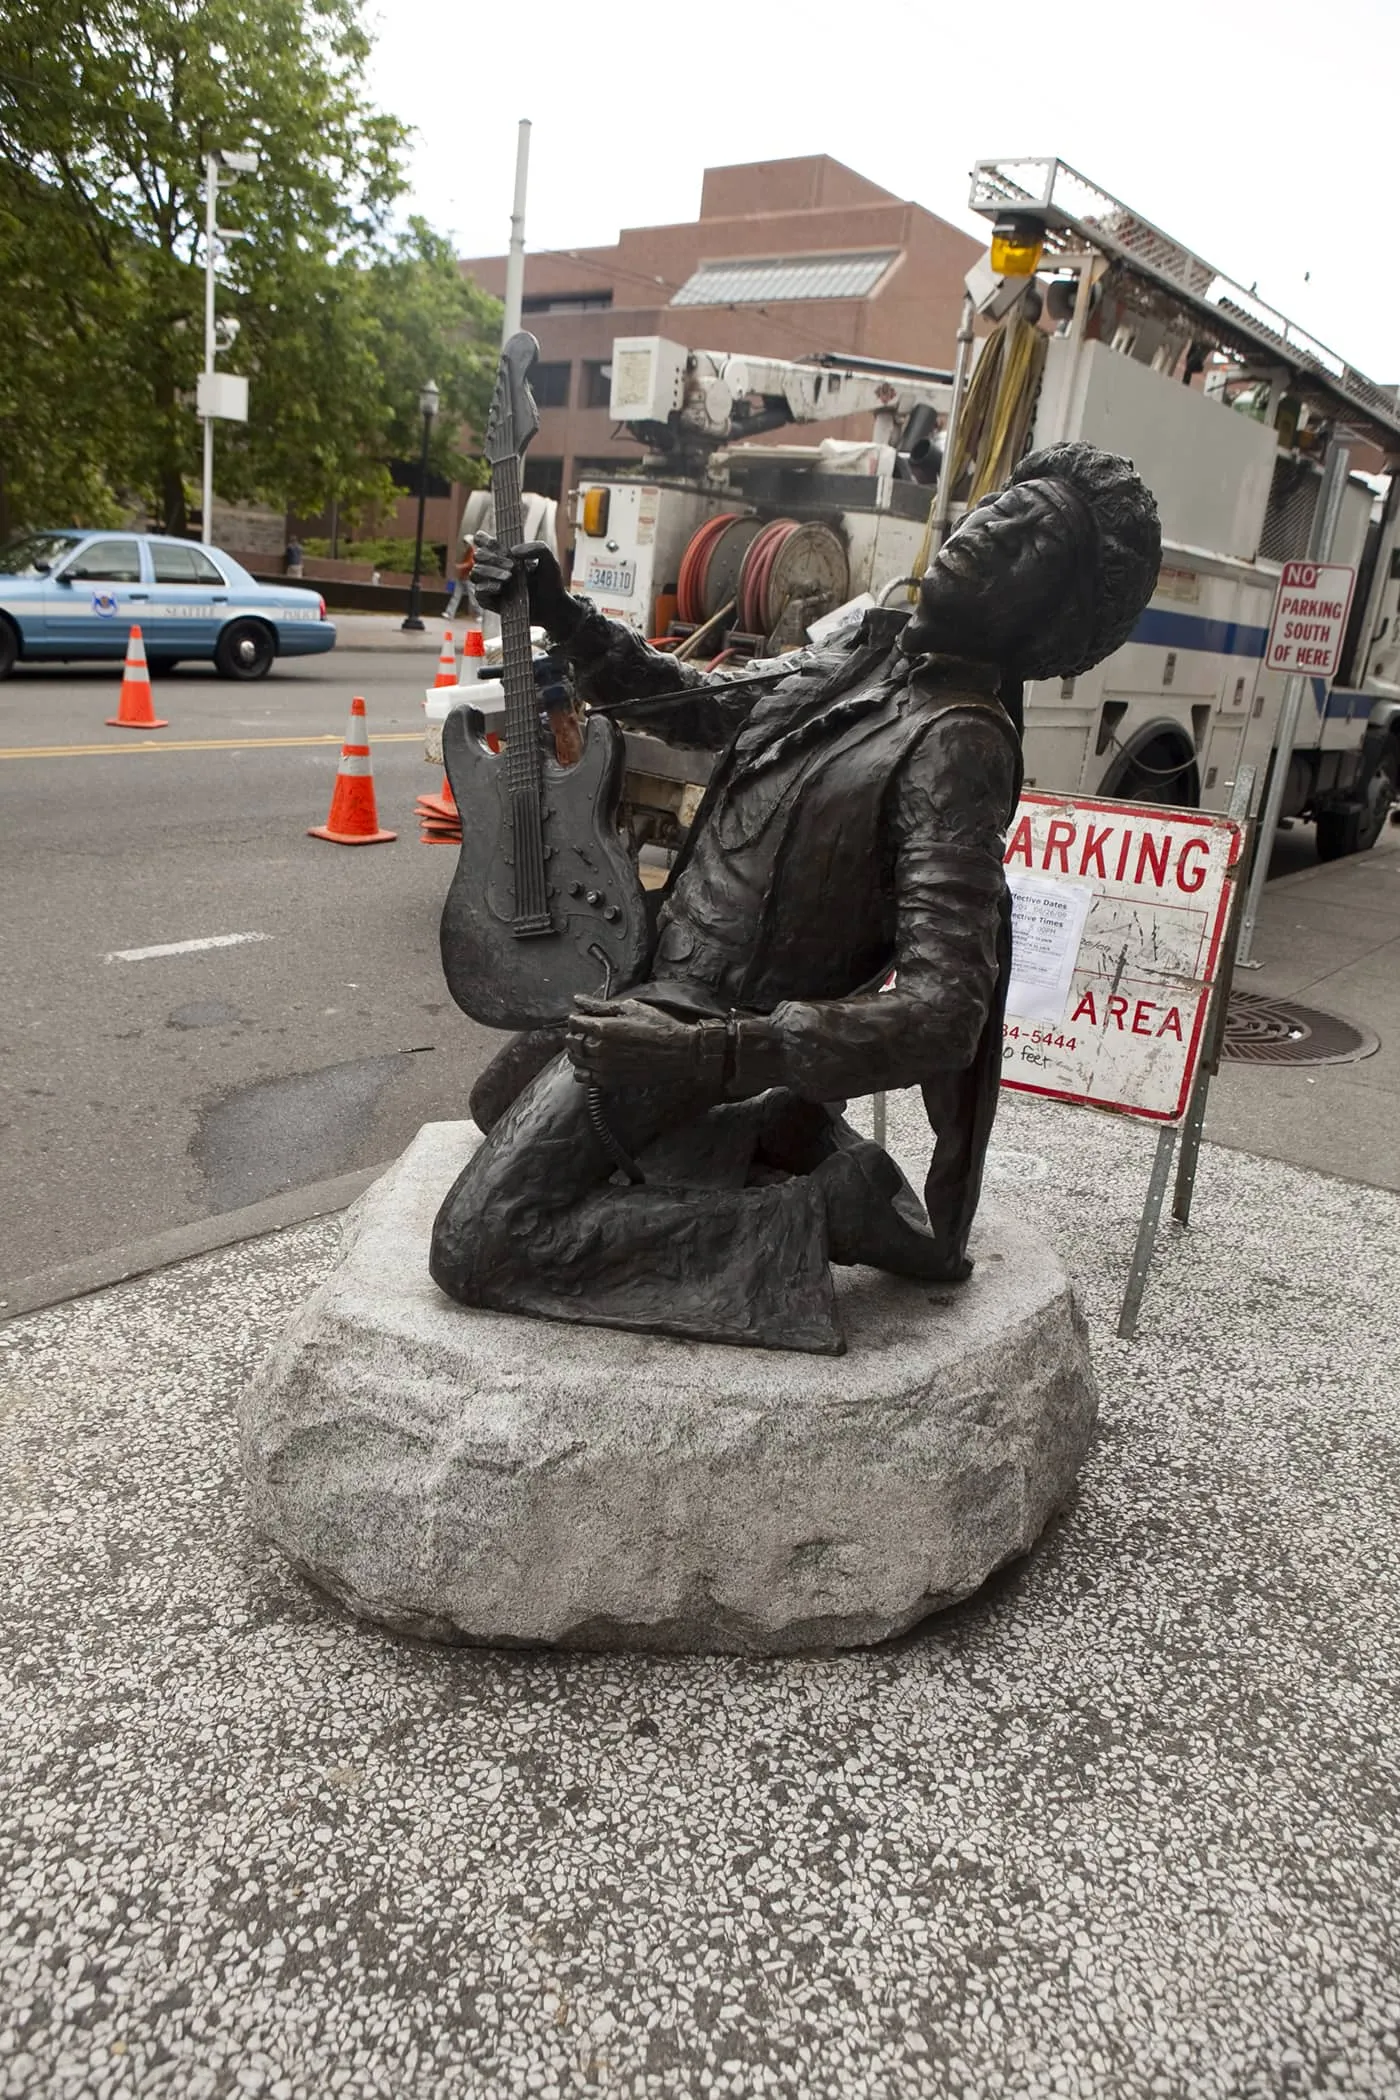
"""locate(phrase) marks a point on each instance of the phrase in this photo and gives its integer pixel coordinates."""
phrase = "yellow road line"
(208, 743)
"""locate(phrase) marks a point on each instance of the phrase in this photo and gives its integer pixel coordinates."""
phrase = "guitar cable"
(607, 1136)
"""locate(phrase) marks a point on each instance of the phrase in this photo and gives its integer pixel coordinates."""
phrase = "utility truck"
(1102, 328)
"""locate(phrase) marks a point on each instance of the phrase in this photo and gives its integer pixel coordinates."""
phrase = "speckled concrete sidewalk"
(1124, 1825)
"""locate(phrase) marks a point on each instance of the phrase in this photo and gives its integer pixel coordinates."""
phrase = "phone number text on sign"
(1118, 915)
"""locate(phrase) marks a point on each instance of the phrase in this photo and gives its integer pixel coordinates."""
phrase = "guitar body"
(500, 979)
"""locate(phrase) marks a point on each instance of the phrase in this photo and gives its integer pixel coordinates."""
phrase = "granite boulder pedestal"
(480, 1477)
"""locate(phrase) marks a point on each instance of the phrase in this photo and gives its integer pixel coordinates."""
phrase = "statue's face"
(996, 575)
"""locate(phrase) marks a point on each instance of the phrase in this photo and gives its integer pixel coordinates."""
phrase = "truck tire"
(1344, 831)
(245, 650)
(9, 648)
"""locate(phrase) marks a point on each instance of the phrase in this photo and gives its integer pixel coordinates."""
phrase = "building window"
(753, 280)
(597, 384)
(566, 302)
(550, 385)
(543, 477)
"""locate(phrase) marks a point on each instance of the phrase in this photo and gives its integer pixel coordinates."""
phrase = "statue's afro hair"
(1119, 571)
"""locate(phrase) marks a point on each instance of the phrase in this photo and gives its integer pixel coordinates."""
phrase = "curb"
(98, 1272)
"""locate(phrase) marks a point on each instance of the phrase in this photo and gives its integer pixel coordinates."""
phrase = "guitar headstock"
(514, 417)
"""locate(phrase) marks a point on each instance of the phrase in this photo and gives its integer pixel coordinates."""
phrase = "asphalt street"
(143, 1092)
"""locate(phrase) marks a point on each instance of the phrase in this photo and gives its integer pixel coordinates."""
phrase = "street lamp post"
(428, 399)
(220, 394)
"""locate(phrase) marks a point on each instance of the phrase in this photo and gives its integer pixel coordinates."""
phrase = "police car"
(72, 594)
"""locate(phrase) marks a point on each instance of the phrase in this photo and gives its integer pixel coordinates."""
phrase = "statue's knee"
(465, 1250)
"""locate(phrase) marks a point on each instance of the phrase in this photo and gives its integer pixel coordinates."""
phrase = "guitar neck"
(522, 753)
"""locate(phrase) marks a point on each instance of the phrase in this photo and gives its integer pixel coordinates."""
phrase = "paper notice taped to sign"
(1047, 924)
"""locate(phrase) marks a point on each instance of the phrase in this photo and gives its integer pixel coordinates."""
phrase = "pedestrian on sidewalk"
(292, 559)
(462, 588)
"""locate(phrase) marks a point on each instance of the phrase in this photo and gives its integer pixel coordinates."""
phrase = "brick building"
(786, 258)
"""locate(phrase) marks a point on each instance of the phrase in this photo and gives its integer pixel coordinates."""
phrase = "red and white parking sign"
(1118, 917)
(1310, 618)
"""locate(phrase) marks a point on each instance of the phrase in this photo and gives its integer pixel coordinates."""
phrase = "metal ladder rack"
(1078, 214)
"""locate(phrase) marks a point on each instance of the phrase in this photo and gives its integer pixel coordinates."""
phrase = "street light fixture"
(428, 399)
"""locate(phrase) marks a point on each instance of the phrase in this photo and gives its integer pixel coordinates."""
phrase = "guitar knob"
(575, 889)
(595, 896)
(613, 913)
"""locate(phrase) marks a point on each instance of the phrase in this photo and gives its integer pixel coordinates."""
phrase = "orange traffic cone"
(135, 708)
(473, 656)
(354, 820)
(447, 661)
(439, 821)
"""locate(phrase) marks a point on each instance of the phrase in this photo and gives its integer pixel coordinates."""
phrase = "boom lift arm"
(687, 403)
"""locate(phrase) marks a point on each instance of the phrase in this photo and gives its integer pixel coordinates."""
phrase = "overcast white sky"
(1264, 137)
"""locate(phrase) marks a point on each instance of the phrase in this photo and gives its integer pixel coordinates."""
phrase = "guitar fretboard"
(524, 774)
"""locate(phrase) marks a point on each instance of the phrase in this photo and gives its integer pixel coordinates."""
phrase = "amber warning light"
(595, 513)
(1018, 242)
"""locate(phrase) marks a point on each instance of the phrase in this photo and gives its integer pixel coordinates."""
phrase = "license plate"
(619, 578)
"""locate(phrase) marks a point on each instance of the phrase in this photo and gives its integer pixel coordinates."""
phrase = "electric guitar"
(545, 902)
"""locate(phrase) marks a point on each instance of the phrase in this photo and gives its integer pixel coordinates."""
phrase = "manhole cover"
(1261, 1031)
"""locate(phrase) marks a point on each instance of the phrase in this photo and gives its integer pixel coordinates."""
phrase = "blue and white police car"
(68, 594)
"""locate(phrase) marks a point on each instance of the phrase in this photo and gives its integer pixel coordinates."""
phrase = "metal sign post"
(1147, 1232)
(1194, 1124)
(1324, 531)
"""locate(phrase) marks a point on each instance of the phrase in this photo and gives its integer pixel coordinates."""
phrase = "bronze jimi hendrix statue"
(854, 825)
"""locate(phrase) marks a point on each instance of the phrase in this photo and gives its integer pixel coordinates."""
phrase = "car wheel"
(245, 650)
(9, 648)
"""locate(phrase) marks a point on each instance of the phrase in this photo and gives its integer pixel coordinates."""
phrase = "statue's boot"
(874, 1217)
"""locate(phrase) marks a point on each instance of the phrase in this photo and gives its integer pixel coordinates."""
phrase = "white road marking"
(213, 940)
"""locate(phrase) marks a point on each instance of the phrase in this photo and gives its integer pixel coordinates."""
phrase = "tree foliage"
(107, 111)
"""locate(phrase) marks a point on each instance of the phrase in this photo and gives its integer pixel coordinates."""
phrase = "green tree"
(107, 111)
(346, 359)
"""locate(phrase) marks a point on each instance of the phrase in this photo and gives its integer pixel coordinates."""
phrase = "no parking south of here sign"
(1118, 920)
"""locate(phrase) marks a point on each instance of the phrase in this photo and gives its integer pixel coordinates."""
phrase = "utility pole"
(220, 394)
(515, 260)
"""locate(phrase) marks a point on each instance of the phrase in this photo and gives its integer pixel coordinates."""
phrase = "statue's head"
(1047, 576)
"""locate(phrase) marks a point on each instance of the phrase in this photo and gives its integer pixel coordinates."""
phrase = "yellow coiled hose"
(995, 417)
